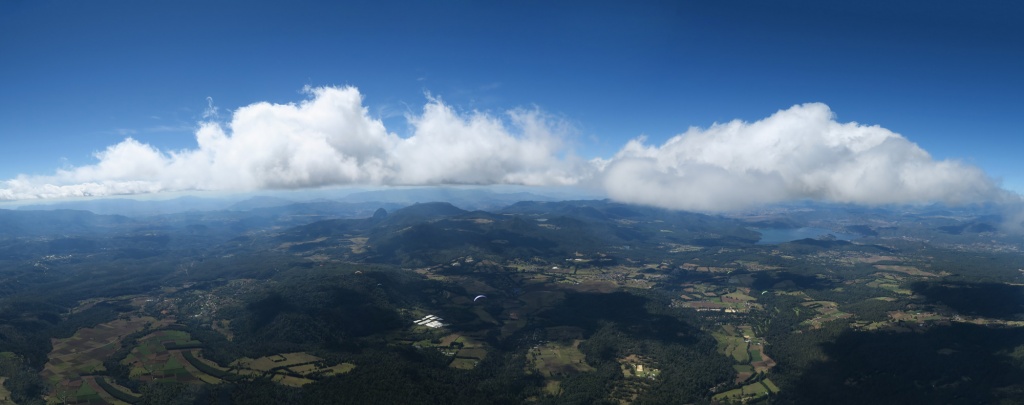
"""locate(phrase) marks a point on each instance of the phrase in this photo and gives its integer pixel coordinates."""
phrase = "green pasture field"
(463, 364)
(466, 350)
(747, 393)
(889, 284)
(743, 368)
(472, 353)
(86, 393)
(732, 342)
(553, 359)
(282, 360)
(740, 296)
(755, 354)
(741, 352)
(732, 346)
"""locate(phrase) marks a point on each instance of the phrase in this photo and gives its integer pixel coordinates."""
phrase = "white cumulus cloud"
(330, 139)
(798, 153)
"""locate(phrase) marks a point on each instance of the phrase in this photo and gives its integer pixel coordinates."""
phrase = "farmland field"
(276, 361)
(748, 393)
(557, 359)
(84, 352)
(151, 360)
(282, 368)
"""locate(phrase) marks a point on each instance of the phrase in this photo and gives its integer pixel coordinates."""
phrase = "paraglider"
(479, 297)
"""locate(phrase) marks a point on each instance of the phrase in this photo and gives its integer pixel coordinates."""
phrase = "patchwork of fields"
(164, 355)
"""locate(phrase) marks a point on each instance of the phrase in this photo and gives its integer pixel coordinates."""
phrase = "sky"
(697, 105)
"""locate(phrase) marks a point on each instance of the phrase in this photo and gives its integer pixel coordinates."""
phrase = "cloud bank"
(798, 153)
(329, 139)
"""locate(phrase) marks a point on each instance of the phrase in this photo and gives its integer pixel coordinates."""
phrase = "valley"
(536, 302)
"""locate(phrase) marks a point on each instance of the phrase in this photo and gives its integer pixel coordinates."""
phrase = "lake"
(771, 236)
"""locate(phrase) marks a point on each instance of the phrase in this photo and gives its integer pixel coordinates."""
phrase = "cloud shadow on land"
(960, 363)
(990, 300)
(786, 281)
(590, 311)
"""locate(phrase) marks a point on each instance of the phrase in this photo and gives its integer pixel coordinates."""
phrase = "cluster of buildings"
(430, 321)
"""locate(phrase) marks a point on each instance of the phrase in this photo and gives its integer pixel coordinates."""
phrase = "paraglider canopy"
(479, 297)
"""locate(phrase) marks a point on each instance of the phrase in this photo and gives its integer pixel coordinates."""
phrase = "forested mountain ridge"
(58, 222)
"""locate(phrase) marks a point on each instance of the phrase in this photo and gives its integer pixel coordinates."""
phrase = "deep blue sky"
(77, 76)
